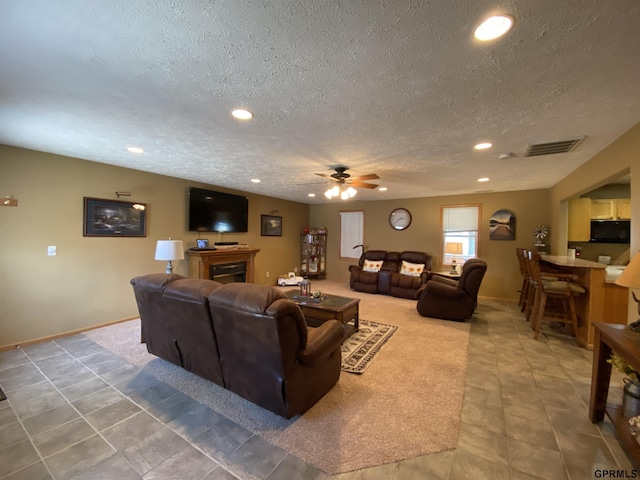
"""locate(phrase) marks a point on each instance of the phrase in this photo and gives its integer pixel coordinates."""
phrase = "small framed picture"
(270, 226)
(202, 243)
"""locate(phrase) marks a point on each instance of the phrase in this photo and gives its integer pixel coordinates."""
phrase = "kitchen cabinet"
(611, 209)
(624, 208)
(579, 220)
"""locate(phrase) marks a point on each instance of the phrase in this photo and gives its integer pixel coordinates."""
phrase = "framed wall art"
(502, 225)
(270, 226)
(114, 218)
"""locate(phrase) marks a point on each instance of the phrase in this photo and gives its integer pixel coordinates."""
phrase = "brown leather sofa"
(388, 280)
(453, 300)
(247, 338)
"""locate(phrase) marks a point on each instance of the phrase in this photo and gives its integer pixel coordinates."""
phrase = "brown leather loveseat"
(247, 338)
(391, 273)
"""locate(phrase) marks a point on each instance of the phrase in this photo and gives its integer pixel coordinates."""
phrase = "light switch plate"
(51, 250)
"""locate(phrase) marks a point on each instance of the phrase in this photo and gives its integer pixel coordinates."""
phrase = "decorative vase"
(631, 398)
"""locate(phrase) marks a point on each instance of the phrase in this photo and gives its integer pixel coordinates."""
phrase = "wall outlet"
(295, 269)
(51, 250)
(267, 274)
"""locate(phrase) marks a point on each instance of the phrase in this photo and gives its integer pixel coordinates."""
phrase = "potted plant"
(631, 397)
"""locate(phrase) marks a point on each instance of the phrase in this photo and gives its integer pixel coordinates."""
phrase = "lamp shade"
(169, 250)
(630, 277)
(454, 248)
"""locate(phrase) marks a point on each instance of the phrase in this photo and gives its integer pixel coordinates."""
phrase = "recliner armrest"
(443, 290)
(355, 268)
(444, 280)
(322, 342)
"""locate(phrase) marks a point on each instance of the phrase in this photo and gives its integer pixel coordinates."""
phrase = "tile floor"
(75, 410)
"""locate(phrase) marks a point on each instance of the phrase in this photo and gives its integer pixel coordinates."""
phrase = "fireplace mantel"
(201, 260)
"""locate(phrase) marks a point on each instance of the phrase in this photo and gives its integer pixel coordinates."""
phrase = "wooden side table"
(626, 344)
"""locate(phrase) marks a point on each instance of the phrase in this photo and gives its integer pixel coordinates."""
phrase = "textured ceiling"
(398, 88)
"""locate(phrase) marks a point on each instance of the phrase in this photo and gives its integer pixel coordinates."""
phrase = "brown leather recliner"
(407, 286)
(268, 355)
(155, 324)
(361, 280)
(187, 305)
(453, 300)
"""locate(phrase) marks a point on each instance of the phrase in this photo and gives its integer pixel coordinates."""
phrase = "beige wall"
(87, 282)
(502, 279)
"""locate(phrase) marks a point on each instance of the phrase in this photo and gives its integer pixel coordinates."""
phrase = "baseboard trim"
(48, 338)
(498, 299)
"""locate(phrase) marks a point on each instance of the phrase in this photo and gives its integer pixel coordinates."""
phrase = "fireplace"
(228, 272)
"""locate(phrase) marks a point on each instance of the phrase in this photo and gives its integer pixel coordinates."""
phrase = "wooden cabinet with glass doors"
(313, 247)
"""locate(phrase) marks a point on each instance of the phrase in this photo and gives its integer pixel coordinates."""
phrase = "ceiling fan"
(345, 183)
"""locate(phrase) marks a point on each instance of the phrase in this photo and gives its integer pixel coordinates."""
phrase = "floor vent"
(551, 148)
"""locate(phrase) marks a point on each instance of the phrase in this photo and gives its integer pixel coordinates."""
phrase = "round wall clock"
(400, 219)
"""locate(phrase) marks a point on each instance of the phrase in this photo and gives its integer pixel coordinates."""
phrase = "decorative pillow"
(372, 266)
(411, 269)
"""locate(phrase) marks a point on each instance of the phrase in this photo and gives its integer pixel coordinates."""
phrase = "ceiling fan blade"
(371, 176)
(362, 185)
(323, 175)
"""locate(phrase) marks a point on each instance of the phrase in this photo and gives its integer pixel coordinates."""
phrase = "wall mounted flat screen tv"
(610, 231)
(211, 211)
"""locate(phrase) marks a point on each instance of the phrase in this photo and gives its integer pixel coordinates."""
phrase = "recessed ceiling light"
(382, 189)
(493, 27)
(255, 180)
(483, 146)
(242, 114)
(135, 150)
(483, 179)
(311, 194)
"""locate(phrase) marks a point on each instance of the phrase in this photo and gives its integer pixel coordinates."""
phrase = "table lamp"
(630, 278)
(454, 248)
(169, 250)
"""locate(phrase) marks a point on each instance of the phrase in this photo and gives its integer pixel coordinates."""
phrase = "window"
(460, 230)
(351, 234)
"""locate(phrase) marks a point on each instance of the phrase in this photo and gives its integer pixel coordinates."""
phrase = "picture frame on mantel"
(270, 226)
(114, 218)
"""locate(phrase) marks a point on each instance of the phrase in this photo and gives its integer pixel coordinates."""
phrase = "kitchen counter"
(564, 261)
(604, 301)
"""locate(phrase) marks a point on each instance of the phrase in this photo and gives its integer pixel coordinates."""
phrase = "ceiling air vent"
(551, 148)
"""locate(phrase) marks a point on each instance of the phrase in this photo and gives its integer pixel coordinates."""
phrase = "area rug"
(362, 346)
(407, 404)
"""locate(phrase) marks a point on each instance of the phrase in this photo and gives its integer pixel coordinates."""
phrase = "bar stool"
(524, 289)
(559, 288)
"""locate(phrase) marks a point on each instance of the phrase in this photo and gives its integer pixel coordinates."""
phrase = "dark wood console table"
(626, 344)
(200, 261)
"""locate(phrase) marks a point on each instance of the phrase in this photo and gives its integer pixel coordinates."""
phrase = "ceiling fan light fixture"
(351, 192)
(493, 27)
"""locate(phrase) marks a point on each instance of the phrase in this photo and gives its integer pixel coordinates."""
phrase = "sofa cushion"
(372, 266)
(411, 269)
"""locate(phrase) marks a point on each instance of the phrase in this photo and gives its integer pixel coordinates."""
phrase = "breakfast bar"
(591, 306)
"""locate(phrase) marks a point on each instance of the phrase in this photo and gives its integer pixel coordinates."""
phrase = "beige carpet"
(408, 402)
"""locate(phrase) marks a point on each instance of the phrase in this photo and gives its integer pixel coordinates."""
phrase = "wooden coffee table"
(330, 307)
